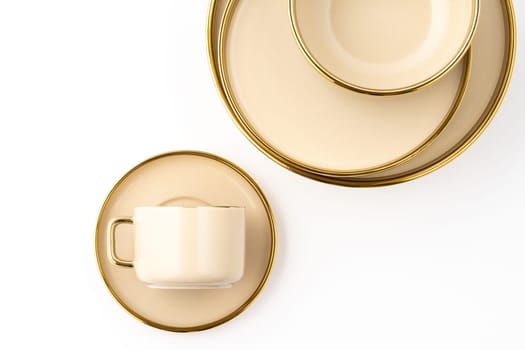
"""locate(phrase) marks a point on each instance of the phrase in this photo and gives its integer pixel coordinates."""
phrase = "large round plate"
(493, 52)
(186, 178)
(292, 113)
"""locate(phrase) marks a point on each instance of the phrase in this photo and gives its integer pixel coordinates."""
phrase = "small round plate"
(291, 112)
(383, 47)
(187, 178)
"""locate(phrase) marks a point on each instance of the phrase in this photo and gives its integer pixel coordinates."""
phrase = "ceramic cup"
(184, 248)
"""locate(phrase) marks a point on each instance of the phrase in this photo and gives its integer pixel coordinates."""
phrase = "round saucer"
(494, 48)
(186, 178)
(383, 47)
(304, 121)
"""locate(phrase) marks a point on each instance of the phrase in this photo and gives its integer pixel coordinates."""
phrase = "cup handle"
(112, 253)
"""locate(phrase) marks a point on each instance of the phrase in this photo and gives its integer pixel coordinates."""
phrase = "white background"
(90, 88)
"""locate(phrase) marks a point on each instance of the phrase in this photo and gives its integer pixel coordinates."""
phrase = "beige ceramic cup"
(185, 248)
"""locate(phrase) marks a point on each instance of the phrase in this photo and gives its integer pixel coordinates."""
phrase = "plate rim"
(271, 258)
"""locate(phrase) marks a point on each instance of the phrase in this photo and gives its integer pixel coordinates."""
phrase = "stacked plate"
(359, 92)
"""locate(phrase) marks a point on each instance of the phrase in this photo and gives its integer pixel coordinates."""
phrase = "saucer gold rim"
(264, 278)
(239, 117)
(483, 121)
(292, 14)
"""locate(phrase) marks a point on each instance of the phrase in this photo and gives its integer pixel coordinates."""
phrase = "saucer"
(304, 121)
(186, 178)
(494, 48)
(383, 47)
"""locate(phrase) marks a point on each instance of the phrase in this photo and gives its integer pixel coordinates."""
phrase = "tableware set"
(321, 130)
(348, 92)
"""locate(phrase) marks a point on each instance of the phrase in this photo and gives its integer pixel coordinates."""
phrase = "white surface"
(90, 88)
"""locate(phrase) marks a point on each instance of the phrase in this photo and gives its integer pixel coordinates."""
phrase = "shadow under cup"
(184, 248)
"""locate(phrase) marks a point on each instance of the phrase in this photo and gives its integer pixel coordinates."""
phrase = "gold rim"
(452, 154)
(292, 14)
(248, 301)
(289, 162)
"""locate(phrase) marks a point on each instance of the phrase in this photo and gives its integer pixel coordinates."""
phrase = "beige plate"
(493, 59)
(291, 111)
(190, 179)
(383, 47)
